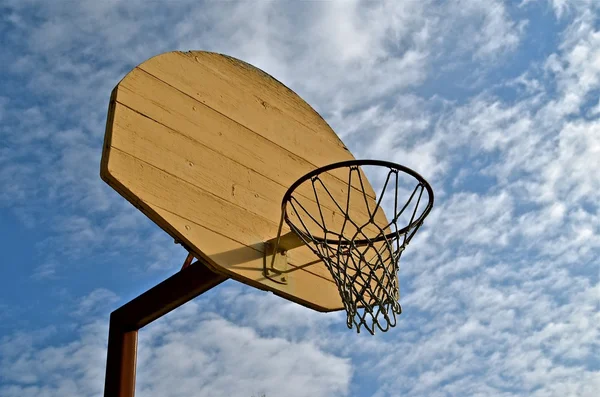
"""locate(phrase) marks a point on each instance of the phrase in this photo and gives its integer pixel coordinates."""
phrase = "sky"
(495, 103)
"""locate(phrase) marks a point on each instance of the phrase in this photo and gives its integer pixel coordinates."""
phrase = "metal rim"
(351, 163)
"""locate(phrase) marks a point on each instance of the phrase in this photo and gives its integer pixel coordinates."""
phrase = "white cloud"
(217, 358)
(38, 369)
(189, 352)
(99, 301)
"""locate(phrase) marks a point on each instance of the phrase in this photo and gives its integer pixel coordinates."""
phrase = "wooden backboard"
(206, 145)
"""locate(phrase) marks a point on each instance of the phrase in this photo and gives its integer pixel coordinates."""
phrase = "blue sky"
(495, 103)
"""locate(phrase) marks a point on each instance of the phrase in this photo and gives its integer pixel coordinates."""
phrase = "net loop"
(361, 250)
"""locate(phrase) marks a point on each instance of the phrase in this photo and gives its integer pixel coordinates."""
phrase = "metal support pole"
(141, 311)
(120, 361)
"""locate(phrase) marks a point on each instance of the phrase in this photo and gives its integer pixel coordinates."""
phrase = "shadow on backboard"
(234, 258)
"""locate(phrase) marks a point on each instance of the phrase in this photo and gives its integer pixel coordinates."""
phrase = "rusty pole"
(125, 322)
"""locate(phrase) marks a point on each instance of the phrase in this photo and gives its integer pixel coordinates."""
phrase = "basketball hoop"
(204, 157)
(362, 255)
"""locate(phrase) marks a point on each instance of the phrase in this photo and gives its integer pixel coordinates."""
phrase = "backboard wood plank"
(254, 107)
(242, 75)
(245, 265)
(157, 188)
(203, 125)
(206, 169)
